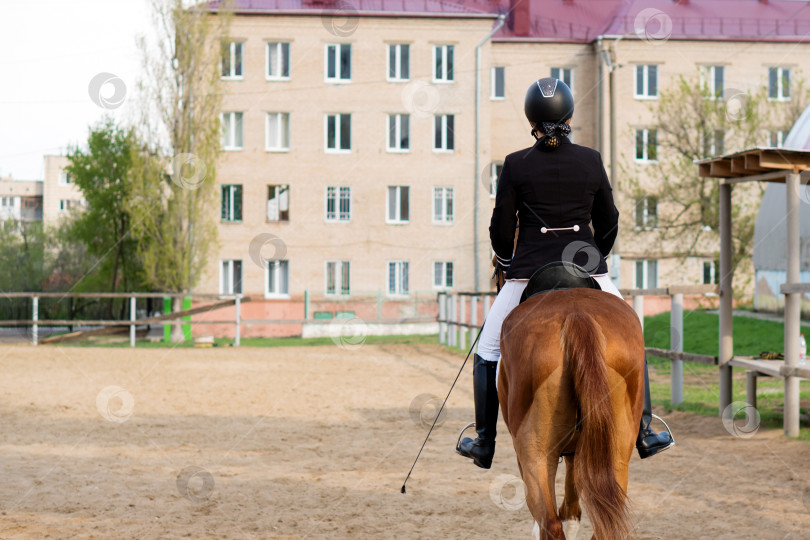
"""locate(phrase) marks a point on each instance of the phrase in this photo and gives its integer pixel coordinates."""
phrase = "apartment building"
(20, 201)
(349, 128)
(60, 195)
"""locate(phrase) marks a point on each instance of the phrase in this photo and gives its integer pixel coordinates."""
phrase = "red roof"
(582, 21)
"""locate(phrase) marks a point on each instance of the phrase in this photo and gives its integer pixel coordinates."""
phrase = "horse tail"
(594, 477)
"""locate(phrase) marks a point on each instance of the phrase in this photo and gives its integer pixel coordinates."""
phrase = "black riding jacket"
(554, 189)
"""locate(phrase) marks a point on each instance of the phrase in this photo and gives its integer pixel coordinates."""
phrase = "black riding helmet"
(548, 100)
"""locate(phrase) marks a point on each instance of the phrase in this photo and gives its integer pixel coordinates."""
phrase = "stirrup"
(671, 435)
(461, 434)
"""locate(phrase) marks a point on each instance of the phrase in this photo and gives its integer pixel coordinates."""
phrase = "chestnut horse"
(571, 384)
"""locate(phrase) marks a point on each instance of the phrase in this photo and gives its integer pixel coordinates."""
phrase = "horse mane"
(583, 344)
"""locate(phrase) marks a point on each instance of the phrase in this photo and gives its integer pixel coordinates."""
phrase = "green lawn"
(751, 336)
(260, 342)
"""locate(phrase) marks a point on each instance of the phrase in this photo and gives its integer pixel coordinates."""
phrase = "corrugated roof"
(584, 20)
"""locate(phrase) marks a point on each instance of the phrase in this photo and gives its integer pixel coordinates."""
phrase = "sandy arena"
(314, 442)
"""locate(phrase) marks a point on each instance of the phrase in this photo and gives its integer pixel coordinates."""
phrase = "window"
(230, 273)
(232, 60)
(566, 75)
(338, 203)
(442, 275)
(399, 63)
(231, 208)
(337, 277)
(278, 203)
(442, 205)
(232, 131)
(277, 135)
(646, 145)
(714, 142)
(338, 132)
(339, 63)
(646, 83)
(647, 213)
(711, 78)
(646, 274)
(777, 138)
(443, 138)
(278, 282)
(398, 277)
(398, 203)
(779, 83)
(278, 61)
(495, 169)
(64, 204)
(710, 273)
(399, 133)
(443, 63)
(498, 83)
(64, 178)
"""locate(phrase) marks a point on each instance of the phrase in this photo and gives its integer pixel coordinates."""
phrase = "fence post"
(487, 305)
(473, 317)
(638, 307)
(462, 318)
(132, 308)
(452, 334)
(238, 331)
(35, 318)
(442, 320)
(676, 344)
(379, 305)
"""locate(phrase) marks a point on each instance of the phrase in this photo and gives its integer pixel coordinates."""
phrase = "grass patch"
(701, 387)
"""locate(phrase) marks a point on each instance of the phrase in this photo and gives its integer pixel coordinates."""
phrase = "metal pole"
(676, 344)
(238, 331)
(792, 307)
(726, 345)
(35, 318)
(638, 307)
(132, 307)
(476, 188)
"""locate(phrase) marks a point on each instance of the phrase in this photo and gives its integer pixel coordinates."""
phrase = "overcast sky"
(51, 51)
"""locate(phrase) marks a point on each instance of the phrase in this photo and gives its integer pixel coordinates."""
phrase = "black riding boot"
(485, 395)
(649, 442)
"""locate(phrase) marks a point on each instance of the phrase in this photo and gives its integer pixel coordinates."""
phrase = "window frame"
(493, 83)
(280, 58)
(277, 265)
(232, 115)
(443, 286)
(232, 206)
(646, 82)
(399, 266)
(448, 75)
(338, 196)
(446, 217)
(279, 211)
(283, 131)
(342, 267)
(397, 205)
(231, 63)
(337, 79)
(494, 174)
(231, 285)
(708, 77)
(646, 217)
(447, 133)
(397, 117)
(645, 265)
(646, 145)
(780, 79)
(397, 47)
(338, 133)
(564, 71)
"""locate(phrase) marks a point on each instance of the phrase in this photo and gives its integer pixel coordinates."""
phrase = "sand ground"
(314, 442)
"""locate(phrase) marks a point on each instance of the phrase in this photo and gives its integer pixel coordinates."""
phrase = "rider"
(556, 189)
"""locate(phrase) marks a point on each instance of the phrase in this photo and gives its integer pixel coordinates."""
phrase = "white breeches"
(489, 345)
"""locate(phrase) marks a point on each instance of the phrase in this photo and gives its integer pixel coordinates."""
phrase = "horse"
(570, 384)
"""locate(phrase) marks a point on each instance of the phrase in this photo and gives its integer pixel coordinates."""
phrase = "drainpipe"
(477, 189)
(600, 122)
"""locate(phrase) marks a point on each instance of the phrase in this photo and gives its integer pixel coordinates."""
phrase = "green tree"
(103, 172)
(175, 190)
(691, 124)
(24, 253)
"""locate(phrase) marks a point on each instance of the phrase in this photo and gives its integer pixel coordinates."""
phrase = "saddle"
(558, 275)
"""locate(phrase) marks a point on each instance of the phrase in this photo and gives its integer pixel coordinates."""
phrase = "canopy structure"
(762, 164)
